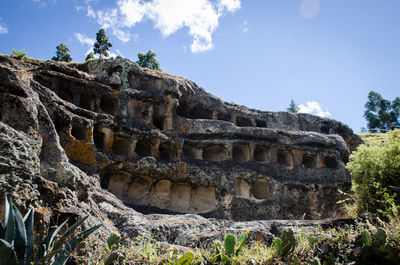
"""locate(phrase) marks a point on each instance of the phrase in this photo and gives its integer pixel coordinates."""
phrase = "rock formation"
(72, 133)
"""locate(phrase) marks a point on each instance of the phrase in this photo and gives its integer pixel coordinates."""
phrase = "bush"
(375, 171)
(17, 54)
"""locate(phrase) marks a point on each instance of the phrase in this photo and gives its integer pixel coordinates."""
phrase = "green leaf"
(20, 242)
(312, 240)
(277, 242)
(10, 223)
(28, 222)
(242, 240)
(185, 259)
(7, 254)
(69, 231)
(113, 240)
(381, 236)
(229, 244)
(366, 238)
(72, 244)
(47, 241)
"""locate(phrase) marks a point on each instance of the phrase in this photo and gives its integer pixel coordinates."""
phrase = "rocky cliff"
(109, 138)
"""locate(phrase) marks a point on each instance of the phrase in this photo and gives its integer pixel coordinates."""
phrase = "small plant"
(113, 241)
(17, 54)
(230, 249)
(286, 245)
(16, 240)
(185, 259)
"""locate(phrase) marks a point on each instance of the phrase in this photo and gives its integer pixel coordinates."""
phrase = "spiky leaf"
(185, 259)
(9, 235)
(28, 222)
(20, 242)
(7, 254)
(72, 244)
(47, 241)
(58, 243)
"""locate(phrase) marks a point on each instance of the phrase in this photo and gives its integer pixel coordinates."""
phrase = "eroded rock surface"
(71, 134)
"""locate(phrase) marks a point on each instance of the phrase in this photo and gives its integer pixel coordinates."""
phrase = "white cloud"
(201, 17)
(3, 29)
(313, 107)
(84, 39)
(309, 8)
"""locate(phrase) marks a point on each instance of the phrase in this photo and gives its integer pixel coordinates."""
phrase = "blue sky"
(325, 54)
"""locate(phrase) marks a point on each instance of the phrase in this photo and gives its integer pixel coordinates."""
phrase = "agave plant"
(16, 240)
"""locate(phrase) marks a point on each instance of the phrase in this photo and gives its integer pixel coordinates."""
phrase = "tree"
(62, 53)
(148, 60)
(293, 108)
(102, 45)
(90, 56)
(381, 114)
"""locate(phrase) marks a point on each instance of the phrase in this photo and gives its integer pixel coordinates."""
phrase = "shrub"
(17, 245)
(17, 54)
(375, 171)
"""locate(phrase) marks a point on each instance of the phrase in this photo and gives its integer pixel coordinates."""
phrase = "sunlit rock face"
(161, 144)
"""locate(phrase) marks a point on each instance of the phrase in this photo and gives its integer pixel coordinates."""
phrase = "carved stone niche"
(240, 152)
(261, 189)
(192, 151)
(215, 153)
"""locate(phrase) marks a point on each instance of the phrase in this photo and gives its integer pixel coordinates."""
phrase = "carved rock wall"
(160, 143)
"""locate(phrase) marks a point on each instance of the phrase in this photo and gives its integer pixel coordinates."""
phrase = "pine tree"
(62, 53)
(293, 108)
(148, 60)
(102, 45)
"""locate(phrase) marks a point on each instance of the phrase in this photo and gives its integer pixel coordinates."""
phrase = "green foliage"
(375, 170)
(62, 53)
(113, 240)
(366, 238)
(90, 56)
(148, 60)
(286, 244)
(312, 240)
(102, 46)
(185, 259)
(16, 240)
(224, 255)
(293, 108)
(229, 244)
(17, 54)
(382, 114)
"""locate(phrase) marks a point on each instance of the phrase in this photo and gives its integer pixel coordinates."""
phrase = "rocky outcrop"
(72, 133)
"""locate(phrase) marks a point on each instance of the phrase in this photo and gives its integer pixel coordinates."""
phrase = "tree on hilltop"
(381, 114)
(148, 60)
(62, 53)
(102, 45)
(293, 108)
